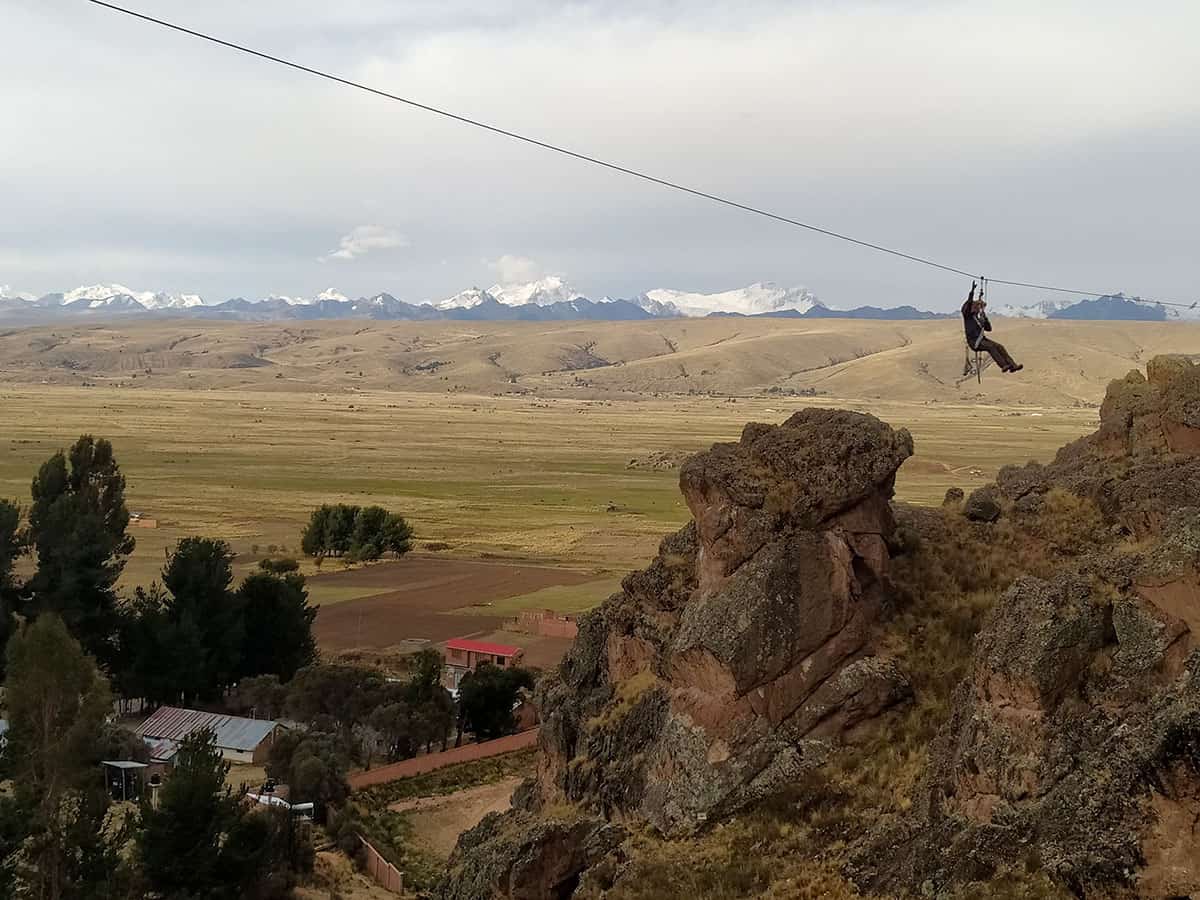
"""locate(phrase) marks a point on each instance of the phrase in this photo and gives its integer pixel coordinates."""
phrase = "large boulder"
(800, 474)
(742, 655)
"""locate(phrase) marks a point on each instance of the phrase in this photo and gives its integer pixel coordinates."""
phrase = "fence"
(432, 761)
(383, 872)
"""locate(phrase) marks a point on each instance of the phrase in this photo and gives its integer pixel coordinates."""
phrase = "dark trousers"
(999, 354)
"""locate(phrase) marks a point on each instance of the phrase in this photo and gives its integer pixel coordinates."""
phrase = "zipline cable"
(583, 157)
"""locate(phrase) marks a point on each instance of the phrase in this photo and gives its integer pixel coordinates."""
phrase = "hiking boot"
(1017, 368)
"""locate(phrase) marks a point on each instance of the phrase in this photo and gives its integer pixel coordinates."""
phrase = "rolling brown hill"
(1067, 363)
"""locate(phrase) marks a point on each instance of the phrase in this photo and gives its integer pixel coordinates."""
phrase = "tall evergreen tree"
(201, 844)
(57, 705)
(278, 638)
(179, 844)
(205, 615)
(77, 524)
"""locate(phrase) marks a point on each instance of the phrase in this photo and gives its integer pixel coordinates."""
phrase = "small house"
(240, 740)
(463, 656)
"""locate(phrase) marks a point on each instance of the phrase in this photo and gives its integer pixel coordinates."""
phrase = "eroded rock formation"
(747, 653)
(1142, 463)
(1074, 742)
(1074, 745)
(742, 655)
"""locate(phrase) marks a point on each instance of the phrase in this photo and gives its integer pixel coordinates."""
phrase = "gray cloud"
(1044, 143)
(364, 239)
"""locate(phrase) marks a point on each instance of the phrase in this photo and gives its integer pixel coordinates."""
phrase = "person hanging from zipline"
(976, 323)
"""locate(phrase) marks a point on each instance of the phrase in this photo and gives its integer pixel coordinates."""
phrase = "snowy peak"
(7, 293)
(468, 299)
(161, 300)
(1043, 310)
(98, 296)
(332, 294)
(543, 292)
(756, 299)
(98, 292)
(1111, 307)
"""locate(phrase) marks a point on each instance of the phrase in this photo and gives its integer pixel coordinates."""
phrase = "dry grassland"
(545, 479)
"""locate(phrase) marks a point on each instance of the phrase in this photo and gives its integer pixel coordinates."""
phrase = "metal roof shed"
(239, 739)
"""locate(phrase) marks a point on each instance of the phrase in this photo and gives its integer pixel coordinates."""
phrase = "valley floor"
(555, 498)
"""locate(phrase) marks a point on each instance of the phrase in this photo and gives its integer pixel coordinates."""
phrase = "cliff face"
(1076, 737)
(751, 652)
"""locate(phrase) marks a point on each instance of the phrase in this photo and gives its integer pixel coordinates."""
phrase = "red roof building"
(464, 656)
(502, 650)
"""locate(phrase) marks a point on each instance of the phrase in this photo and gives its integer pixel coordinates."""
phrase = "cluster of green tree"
(357, 717)
(487, 700)
(60, 837)
(356, 533)
(196, 635)
(352, 717)
(190, 637)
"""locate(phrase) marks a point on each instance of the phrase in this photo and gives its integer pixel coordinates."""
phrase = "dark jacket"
(975, 324)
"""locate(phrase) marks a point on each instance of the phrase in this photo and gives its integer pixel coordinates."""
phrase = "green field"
(562, 599)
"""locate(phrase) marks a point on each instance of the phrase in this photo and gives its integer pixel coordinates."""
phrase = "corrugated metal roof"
(161, 751)
(482, 647)
(170, 723)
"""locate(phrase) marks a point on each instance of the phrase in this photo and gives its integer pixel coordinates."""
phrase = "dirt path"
(438, 821)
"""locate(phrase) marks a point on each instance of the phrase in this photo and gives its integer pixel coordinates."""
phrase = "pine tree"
(77, 525)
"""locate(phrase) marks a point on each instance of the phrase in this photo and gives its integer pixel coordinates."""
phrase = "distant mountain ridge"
(1110, 308)
(548, 299)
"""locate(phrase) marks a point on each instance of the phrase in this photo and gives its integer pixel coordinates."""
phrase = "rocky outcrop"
(742, 656)
(748, 653)
(1143, 461)
(1074, 743)
(522, 857)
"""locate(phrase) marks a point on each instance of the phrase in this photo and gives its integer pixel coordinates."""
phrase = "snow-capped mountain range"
(108, 295)
(757, 299)
(1116, 307)
(547, 299)
(1041, 310)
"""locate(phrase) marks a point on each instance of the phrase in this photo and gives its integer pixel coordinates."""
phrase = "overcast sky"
(1028, 140)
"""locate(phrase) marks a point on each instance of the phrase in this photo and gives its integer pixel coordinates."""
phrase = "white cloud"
(365, 239)
(511, 269)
